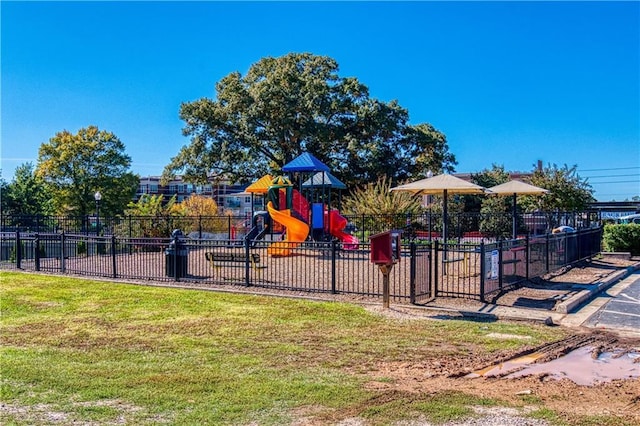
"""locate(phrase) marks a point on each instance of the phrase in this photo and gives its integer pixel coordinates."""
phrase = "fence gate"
(421, 277)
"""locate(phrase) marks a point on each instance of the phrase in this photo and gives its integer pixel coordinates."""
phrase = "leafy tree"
(486, 178)
(496, 216)
(150, 205)
(567, 190)
(153, 217)
(491, 177)
(200, 213)
(431, 151)
(26, 194)
(196, 205)
(74, 167)
(287, 105)
(495, 210)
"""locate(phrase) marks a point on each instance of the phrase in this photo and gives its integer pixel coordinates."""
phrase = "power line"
(617, 181)
(606, 170)
(610, 176)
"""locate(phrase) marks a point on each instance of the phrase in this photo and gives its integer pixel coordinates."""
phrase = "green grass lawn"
(80, 351)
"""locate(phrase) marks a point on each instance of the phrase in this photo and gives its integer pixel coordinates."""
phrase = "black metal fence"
(426, 269)
(460, 226)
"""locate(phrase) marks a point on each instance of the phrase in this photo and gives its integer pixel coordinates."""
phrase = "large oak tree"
(76, 166)
(295, 103)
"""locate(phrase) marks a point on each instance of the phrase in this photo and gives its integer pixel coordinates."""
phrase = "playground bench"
(216, 259)
(513, 250)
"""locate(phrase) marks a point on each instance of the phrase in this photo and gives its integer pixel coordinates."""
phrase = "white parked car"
(632, 218)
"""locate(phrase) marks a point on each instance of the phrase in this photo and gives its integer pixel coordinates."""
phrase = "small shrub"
(622, 238)
(82, 247)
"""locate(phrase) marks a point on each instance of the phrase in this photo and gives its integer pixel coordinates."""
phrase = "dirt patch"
(588, 271)
(617, 398)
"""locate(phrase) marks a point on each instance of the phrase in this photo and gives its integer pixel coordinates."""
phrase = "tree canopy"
(74, 167)
(567, 190)
(487, 178)
(295, 103)
(25, 194)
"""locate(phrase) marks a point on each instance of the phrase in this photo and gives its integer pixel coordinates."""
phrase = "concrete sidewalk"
(571, 312)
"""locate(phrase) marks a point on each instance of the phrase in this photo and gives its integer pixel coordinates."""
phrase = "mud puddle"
(584, 366)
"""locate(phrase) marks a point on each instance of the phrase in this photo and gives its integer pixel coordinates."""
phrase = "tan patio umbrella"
(515, 187)
(442, 185)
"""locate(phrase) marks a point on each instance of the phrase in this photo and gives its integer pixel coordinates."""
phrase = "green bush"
(622, 238)
(81, 247)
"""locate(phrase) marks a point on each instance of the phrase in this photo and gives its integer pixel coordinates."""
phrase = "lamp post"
(97, 196)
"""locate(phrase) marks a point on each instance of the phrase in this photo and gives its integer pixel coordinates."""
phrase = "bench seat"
(218, 259)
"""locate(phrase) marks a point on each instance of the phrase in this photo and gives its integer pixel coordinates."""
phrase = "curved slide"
(296, 231)
(337, 224)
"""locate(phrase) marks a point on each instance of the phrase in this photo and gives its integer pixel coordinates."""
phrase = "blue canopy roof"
(305, 162)
(324, 179)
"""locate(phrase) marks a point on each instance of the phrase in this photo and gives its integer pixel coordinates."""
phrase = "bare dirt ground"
(619, 398)
(549, 290)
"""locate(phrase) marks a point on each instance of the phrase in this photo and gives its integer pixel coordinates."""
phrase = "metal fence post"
(412, 272)
(36, 256)
(436, 262)
(546, 253)
(176, 275)
(527, 256)
(483, 271)
(334, 249)
(130, 235)
(18, 250)
(113, 255)
(62, 256)
(500, 267)
(247, 253)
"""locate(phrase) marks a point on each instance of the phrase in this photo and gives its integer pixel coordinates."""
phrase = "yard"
(77, 351)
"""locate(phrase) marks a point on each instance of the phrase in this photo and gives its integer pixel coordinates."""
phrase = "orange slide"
(296, 231)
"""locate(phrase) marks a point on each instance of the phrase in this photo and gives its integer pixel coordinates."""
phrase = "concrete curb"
(583, 296)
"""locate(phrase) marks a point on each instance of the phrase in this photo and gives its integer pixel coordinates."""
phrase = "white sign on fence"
(492, 263)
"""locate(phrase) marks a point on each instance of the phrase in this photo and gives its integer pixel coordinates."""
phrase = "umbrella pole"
(515, 222)
(444, 223)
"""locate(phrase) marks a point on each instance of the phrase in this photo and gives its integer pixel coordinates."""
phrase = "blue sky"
(508, 83)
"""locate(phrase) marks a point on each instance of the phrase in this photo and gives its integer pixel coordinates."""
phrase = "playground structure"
(290, 214)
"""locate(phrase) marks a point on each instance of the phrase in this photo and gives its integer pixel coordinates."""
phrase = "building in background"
(231, 198)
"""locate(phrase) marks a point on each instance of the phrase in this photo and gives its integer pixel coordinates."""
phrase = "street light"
(97, 196)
